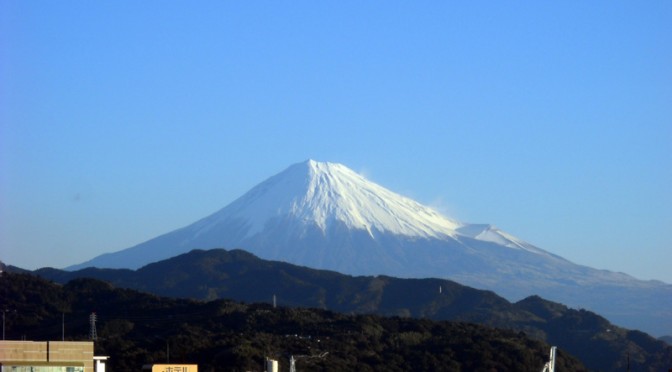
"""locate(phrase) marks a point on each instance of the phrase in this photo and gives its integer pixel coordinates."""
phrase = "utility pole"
(628, 361)
(4, 312)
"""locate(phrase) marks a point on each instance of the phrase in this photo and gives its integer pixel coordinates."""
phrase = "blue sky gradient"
(553, 121)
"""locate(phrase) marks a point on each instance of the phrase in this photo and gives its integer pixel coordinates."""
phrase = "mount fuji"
(326, 216)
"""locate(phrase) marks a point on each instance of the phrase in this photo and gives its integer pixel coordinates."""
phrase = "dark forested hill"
(135, 328)
(241, 276)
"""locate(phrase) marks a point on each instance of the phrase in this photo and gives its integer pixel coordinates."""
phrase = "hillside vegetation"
(241, 276)
(136, 328)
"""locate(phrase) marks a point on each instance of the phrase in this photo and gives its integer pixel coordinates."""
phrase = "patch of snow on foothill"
(489, 233)
(492, 234)
(322, 193)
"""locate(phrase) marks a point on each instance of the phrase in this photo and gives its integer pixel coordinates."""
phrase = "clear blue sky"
(123, 120)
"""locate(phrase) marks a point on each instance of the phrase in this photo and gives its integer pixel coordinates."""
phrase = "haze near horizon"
(122, 122)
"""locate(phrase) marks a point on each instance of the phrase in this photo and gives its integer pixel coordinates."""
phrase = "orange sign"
(175, 368)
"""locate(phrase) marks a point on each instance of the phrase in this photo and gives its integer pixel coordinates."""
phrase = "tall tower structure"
(93, 335)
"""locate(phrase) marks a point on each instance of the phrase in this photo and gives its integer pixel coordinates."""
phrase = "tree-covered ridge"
(136, 328)
(241, 276)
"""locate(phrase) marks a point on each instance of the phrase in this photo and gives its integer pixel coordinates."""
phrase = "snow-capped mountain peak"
(320, 194)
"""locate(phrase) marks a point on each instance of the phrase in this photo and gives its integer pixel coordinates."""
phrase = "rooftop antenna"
(550, 365)
(92, 333)
(292, 359)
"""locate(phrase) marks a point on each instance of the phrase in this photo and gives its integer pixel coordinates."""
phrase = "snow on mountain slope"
(492, 234)
(323, 193)
(326, 216)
